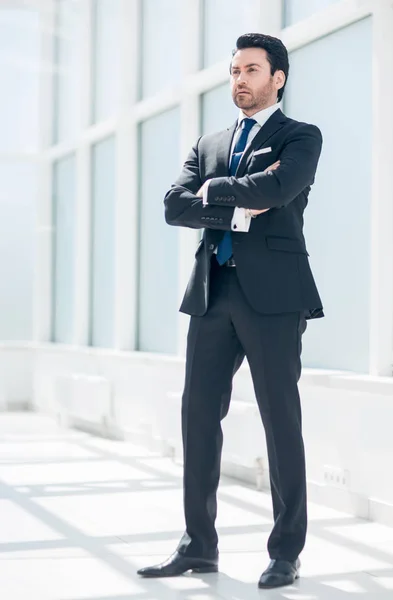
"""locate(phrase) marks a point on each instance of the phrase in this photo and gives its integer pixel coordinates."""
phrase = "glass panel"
(106, 74)
(223, 22)
(338, 217)
(158, 242)
(103, 243)
(18, 192)
(218, 110)
(296, 10)
(64, 191)
(161, 52)
(68, 81)
(19, 81)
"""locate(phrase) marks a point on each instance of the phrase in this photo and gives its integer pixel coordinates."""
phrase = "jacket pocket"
(286, 245)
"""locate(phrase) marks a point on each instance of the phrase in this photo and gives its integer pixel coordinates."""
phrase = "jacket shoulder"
(213, 138)
(302, 127)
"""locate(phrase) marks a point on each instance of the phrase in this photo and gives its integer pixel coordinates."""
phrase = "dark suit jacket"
(271, 259)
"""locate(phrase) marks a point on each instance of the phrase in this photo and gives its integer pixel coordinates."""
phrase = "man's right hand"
(272, 167)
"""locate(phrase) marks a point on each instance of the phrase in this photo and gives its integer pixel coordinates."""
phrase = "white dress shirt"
(241, 219)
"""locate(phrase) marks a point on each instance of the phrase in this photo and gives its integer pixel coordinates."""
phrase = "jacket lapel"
(223, 151)
(272, 125)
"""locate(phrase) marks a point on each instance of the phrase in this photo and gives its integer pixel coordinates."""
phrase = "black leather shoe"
(279, 573)
(177, 564)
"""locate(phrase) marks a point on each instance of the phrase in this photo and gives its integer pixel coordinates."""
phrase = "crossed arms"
(275, 187)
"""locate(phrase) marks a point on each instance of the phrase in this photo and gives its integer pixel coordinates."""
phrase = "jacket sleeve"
(185, 209)
(273, 189)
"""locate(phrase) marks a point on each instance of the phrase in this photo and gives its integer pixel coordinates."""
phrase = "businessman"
(250, 294)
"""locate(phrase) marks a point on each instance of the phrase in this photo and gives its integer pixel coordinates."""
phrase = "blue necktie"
(224, 250)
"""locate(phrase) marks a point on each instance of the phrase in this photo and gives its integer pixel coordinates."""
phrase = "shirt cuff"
(205, 190)
(241, 220)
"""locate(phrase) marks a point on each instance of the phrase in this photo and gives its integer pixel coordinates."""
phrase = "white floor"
(79, 515)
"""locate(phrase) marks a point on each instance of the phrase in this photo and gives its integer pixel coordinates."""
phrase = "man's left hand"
(255, 212)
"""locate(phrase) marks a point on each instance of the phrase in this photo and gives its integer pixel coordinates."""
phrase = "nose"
(241, 78)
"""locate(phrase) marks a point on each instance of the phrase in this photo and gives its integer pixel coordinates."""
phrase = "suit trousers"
(217, 344)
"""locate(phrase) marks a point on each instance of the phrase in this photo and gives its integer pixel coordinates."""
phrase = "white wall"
(347, 419)
(16, 384)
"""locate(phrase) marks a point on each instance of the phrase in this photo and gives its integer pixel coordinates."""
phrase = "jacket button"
(211, 247)
(235, 226)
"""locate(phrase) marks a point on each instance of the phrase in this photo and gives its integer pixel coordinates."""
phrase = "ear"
(279, 79)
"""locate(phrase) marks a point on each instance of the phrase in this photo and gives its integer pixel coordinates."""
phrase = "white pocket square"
(262, 151)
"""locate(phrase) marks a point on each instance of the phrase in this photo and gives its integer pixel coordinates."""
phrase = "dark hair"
(277, 54)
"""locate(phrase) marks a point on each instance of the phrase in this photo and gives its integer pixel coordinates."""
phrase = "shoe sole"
(272, 587)
(199, 570)
(211, 569)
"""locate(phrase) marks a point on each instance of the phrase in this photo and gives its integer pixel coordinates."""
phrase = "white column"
(381, 292)
(126, 237)
(190, 130)
(42, 286)
(82, 248)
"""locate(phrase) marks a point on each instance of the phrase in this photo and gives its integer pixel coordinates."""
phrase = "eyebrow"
(247, 66)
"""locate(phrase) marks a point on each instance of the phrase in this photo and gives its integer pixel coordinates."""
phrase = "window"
(64, 190)
(68, 83)
(223, 22)
(161, 51)
(218, 110)
(19, 67)
(158, 242)
(336, 96)
(17, 222)
(106, 71)
(103, 243)
(296, 10)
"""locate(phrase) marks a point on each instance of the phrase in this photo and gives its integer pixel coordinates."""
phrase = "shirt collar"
(260, 117)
